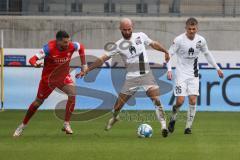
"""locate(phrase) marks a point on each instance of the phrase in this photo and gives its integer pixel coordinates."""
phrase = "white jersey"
(187, 52)
(133, 54)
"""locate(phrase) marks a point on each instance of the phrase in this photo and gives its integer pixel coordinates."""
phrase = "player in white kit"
(131, 48)
(187, 47)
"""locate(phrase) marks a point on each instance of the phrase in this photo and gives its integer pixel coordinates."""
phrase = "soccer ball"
(144, 131)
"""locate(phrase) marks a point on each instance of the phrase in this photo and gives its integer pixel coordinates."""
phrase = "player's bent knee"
(193, 100)
(179, 102)
(153, 91)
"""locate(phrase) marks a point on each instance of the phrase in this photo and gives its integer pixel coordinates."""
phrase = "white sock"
(190, 115)
(160, 115)
(174, 112)
(66, 123)
(22, 125)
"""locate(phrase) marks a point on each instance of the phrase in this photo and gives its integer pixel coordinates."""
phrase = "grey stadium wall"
(95, 32)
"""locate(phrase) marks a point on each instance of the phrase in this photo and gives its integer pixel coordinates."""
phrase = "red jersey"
(56, 62)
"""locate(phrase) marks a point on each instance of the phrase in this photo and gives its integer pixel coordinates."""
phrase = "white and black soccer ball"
(145, 131)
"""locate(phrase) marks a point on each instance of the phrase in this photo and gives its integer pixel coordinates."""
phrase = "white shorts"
(139, 83)
(187, 87)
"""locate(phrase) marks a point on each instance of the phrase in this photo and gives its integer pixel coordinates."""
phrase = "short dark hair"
(191, 21)
(61, 34)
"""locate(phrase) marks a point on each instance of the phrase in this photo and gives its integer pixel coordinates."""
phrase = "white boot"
(18, 132)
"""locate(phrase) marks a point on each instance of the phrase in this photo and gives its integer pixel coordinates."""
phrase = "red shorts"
(46, 88)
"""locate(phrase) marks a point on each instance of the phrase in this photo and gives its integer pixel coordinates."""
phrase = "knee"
(153, 92)
(192, 101)
(71, 93)
(179, 102)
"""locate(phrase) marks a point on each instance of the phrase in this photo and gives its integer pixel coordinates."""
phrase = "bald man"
(131, 48)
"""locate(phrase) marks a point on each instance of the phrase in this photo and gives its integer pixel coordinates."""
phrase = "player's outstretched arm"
(82, 56)
(99, 62)
(158, 46)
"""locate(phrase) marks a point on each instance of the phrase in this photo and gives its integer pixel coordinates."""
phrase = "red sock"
(69, 108)
(31, 110)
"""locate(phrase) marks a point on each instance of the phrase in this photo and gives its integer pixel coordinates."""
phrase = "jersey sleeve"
(76, 46)
(204, 46)
(172, 50)
(208, 55)
(174, 47)
(43, 52)
(147, 41)
(81, 51)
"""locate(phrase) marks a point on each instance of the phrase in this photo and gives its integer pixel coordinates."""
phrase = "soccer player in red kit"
(57, 55)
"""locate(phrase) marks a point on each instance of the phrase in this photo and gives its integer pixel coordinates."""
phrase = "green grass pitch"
(216, 136)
